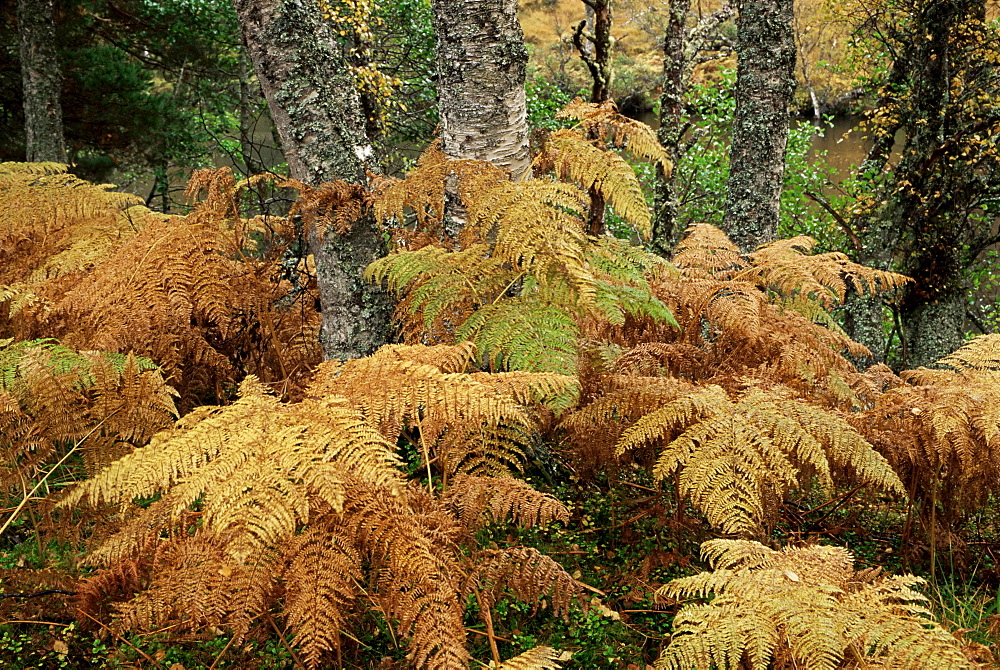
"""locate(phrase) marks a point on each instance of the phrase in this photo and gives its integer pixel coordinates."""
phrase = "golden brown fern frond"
(54, 224)
(196, 585)
(736, 460)
(321, 587)
(173, 294)
(255, 465)
(335, 205)
(417, 574)
(44, 167)
(603, 120)
(479, 501)
(558, 392)
(393, 391)
(448, 358)
(423, 189)
(979, 353)
(806, 605)
(52, 397)
(101, 272)
(95, 592)
(529, 575)
(940, 432)
(572, 157)
(741, 333)
(219, 186)
(705, 251)
(788, 267)
(538, 658)
(457, 416)
(596, 426)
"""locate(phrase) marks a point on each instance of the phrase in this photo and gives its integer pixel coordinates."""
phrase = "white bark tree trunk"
(481, 73)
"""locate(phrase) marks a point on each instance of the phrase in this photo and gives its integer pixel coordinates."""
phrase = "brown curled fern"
(97, 270)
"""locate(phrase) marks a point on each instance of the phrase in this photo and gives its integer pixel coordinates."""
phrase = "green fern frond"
(524, 334)
(622, 262)
(538, 228)
(616, 301)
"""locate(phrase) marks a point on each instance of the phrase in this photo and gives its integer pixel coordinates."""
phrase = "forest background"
(594, 380)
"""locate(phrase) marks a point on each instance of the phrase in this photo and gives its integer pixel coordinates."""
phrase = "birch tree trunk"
(314, 103)
(42, 81)
(765, 81)
(481, 72)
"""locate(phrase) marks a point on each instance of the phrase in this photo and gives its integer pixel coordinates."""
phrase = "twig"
(484, 612)
(639, 486)
(222, 653)
(119, 637)
(841, 221)
(17, 510)
(495, 637)
(281, 636)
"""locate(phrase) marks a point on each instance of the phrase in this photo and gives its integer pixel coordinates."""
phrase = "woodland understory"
(577, 455)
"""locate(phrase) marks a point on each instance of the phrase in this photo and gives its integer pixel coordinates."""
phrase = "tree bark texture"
(927, 218)
(42, 81)
(595, 47)
(671, 130)
(482, 64)
(765, 81)
(314, 102)
(683, 49)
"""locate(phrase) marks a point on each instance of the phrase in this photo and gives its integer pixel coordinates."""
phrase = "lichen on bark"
(314, 101)
(42, 82)
(765, 81)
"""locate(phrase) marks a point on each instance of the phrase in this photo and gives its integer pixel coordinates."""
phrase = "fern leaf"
(529, 575)
(572, 157)
(320, 588)
(524, 334)
(482, 500)
(735, 459)
(806, 605)
(538, 658)
(603, 120)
